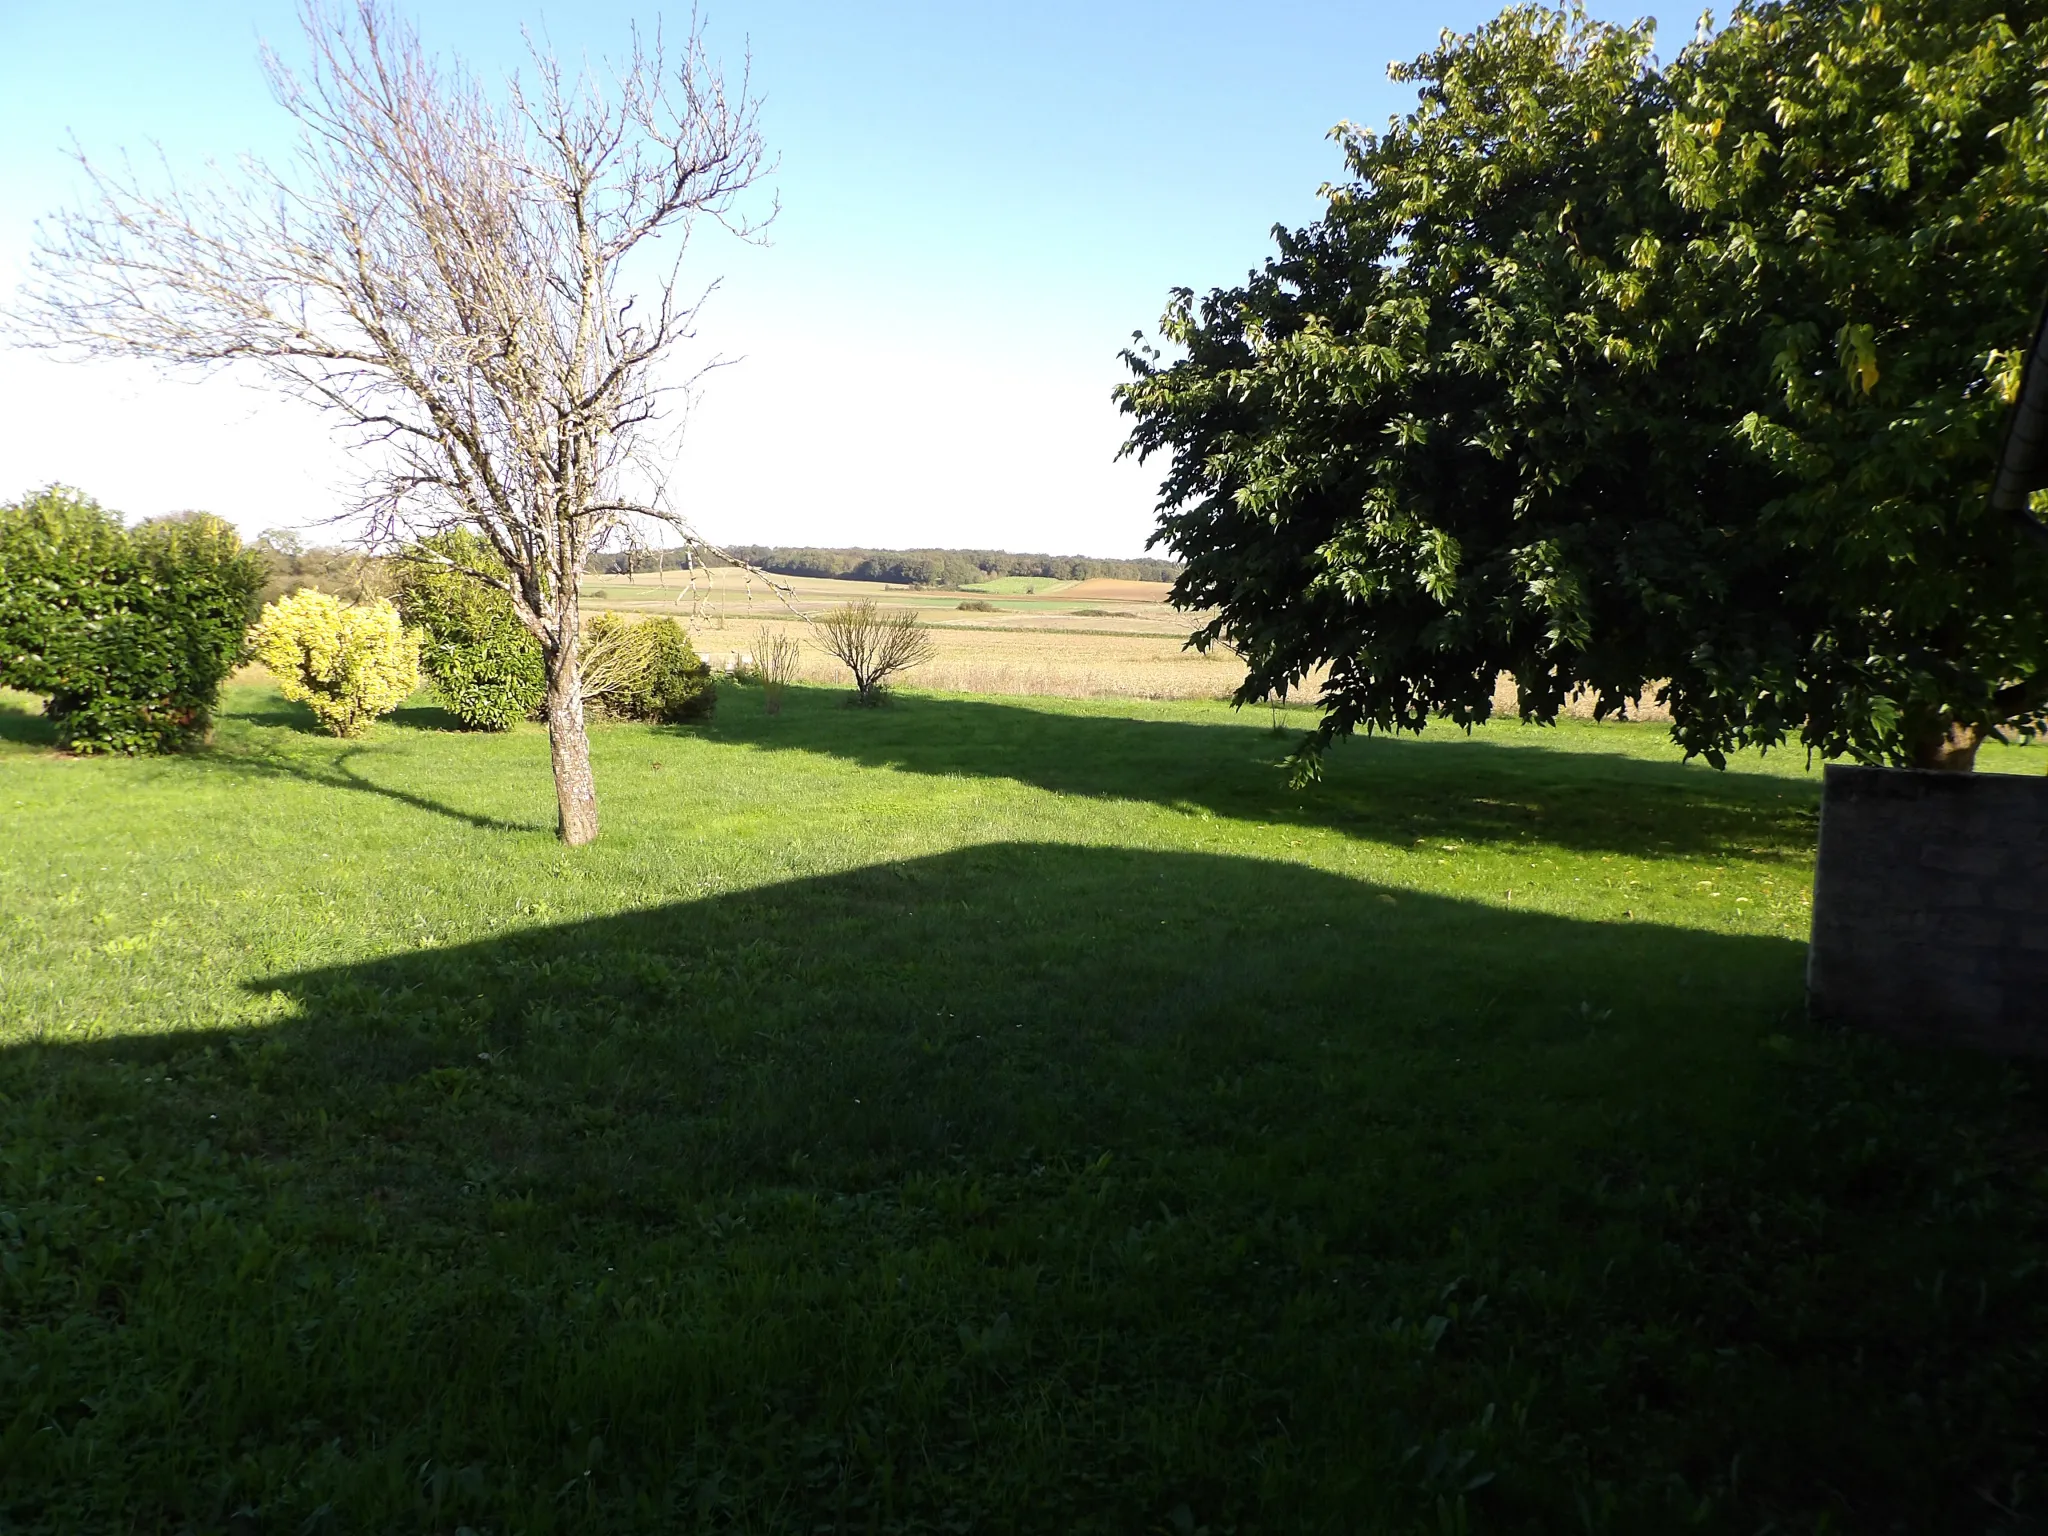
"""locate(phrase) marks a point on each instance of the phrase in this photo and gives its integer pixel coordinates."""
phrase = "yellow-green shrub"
(350, 663)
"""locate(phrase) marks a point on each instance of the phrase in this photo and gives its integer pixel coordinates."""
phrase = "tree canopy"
(1610, 374)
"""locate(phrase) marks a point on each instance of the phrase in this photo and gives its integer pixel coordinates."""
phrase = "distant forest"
(908, 567)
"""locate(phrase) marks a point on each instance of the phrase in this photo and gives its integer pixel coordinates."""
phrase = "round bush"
(676, 683)
(126, 633)
(646, 669)
(484, 663)
(348, 663)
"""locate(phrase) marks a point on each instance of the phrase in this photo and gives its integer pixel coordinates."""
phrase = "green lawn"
(972, 1116)
(1025, 585)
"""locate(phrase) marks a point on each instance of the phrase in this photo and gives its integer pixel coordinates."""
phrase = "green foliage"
(126, 633)
(1604, 375)
(484, 663)
(981, 1116)
(674, 682)
(1866, 199)
(645, 669)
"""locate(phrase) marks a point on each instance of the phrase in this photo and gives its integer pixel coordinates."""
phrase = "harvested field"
(1073, 663)
(1091, 639)
(1088, 640)
(1580, 705)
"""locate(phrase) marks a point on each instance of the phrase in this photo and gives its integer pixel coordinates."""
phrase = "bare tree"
(447, 272)
(874, 646)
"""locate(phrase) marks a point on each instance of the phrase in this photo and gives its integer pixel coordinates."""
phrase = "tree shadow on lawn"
(1399, 791)
(1019, 1188)
(259, 759)
(337, 774)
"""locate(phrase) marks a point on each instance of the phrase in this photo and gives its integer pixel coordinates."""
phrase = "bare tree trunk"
(1953, 751)
(569, 746)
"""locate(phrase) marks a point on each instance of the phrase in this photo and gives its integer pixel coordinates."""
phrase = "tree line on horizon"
(908, 567)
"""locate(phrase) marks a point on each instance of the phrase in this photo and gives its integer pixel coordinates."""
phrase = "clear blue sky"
(980, 203)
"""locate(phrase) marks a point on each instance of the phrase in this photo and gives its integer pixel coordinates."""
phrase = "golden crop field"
(1085, 639)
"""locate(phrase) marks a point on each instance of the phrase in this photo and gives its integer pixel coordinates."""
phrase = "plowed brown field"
(1104, 589)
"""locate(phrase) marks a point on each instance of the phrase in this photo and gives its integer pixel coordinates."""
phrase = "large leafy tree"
(1868, 187)
(1576, 380)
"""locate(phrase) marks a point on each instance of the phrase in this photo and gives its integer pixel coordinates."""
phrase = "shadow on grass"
(1003, 1000)
(336, 773)
(282, 714)
(1396, 791)
(1386, 790)
(23, 723)
(1021, 1188)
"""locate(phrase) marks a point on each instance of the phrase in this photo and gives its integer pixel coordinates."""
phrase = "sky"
(979, 203)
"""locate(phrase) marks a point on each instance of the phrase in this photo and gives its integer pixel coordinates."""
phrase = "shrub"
(775, 658)
(127, 634)
(675, 684)
(348, 663)
(979, 605)
(645, 669)
(874, 647)
(484, 663)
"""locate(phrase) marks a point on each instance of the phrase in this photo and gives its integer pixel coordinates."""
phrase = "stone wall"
(1930, 907)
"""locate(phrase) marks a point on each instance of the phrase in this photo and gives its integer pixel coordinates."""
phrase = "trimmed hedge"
(484, 663)
(126, 633)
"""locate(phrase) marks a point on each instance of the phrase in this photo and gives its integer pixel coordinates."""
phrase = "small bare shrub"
(775, 660)
(875, 647)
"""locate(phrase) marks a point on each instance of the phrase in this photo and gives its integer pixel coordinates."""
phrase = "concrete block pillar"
(1930, 908)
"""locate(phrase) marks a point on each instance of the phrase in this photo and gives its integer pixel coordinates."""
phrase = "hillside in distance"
(908, 567)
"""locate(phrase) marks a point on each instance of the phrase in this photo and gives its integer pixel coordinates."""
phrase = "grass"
(977, 1116)
(1025, 585)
